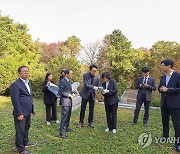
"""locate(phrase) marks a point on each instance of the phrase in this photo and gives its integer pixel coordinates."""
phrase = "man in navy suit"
(169, 88)
(66, 96)
(88, 93)
(22, 100)
(145, 85)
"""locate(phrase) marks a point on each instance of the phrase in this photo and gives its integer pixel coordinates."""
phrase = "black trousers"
(139, 103)
(111, 115)
(65, 118)
(22, 128)
(166, 112)
(51, 111)
(91, 109)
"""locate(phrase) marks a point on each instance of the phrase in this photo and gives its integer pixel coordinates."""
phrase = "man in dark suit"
(145, 86)
(91, 83)
(66, 96)
(169, 88)
(62, 75)
(22, 100)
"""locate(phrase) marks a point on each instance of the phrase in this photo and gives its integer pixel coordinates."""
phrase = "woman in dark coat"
(110, 90)
(50, 100)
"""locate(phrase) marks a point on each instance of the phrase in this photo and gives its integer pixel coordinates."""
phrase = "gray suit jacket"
(65, 89)
(111, 97)
(151, 87)
(87, 87)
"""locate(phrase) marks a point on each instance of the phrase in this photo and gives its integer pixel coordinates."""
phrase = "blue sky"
(142, 21)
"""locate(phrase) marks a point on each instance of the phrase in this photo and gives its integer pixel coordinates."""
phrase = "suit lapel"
(148, 80)
(24, 86)
(88, 76)
(93, 79)
(68, 83)
(164, 80)
(103, 85)
(142, 79)
(30, 87)
(109, 84)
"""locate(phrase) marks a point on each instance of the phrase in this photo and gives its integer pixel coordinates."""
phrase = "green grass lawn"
(86, 140)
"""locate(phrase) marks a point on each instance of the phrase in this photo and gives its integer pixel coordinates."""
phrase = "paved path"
(128, 99)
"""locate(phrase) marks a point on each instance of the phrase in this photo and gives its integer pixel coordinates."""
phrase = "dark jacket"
(48, 96)
(22, 100)
(88, 87)
(65, 89)
(111, 97)
(61, 77)
(151, 87)
(173, 94)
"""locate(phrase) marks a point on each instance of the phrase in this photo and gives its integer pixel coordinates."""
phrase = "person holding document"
(50, 100)
(109, 91)
(88, 93)
(145, 85)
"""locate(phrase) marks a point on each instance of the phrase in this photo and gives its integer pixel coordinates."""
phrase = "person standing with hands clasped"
(22, 100)
(110, 90)
(145, 85)
(50, 100)
(66, 96)
(169, 88)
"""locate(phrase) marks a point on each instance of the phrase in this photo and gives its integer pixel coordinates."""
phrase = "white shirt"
(26, 84)
(168, 77)
(67, 79)
(146, 79)
(107, 83)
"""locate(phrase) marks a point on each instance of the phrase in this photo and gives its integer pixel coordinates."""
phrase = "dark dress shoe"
(145, 125)
(69, 130)
(133, 124)
(63, 136)
(91, 125)
(80, 125)
(25, 152)
(178, 148)
(30, 144)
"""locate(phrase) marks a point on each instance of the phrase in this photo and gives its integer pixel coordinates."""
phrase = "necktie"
(92, 79)
(145, 80)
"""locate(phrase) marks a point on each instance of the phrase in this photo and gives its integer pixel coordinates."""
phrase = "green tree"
(120, 55)
(57, 63)
(71, 46)
(163, 50)
(16, 49)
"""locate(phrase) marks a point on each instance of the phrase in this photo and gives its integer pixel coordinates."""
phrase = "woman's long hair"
(46, 77)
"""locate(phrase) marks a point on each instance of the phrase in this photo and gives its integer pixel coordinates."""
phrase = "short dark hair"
(145, 69)
(66, 71)
(93, 65)
(167, 62)
(20, 68)
(63, 70)
(107, 75)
